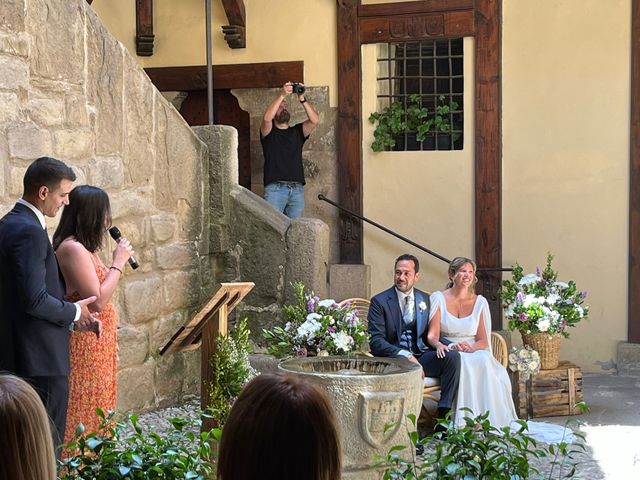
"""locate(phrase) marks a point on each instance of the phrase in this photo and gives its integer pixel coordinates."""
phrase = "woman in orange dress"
(81, 233)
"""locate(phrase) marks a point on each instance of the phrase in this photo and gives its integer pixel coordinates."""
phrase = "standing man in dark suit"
(35, 321)
(398, 320)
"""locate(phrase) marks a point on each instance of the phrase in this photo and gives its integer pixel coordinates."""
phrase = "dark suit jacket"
(34, 320)
(385, 322)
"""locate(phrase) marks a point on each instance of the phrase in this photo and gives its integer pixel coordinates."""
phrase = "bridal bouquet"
(538, 303)
(316, 327)
(524, 360)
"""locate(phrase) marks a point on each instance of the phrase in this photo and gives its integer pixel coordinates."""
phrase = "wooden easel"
(203, 329)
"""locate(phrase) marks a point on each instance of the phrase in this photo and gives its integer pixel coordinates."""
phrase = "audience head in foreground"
(281, 427)
(26, 444)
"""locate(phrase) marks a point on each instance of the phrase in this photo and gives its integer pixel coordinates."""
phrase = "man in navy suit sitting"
(398, 319)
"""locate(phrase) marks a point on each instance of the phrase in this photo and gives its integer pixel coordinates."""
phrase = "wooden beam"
(407, 8)
(633, 313)
(402, 28)
(235, 33)
(144, 28)
(488, 153)
(246, 75)
(349, 135)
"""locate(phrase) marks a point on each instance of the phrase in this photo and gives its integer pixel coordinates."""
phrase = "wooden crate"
(549, 393)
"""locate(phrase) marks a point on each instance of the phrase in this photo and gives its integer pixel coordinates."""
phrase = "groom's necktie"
(409, 310)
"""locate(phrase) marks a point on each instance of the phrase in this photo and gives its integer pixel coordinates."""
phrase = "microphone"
(116, 235)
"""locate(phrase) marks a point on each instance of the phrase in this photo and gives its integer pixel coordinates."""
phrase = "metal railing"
(403, 238)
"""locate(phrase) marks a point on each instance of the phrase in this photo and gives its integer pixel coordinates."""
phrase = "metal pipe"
(209, 61)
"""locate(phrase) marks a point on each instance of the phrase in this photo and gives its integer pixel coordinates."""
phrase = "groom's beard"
(283, 116)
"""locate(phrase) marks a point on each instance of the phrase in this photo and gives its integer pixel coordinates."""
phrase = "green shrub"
(231, 371)
(122, 449)
(480, 451)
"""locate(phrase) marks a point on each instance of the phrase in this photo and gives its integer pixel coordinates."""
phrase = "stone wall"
(68, 89)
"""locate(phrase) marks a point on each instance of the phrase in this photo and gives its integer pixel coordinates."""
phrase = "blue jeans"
(287, 197)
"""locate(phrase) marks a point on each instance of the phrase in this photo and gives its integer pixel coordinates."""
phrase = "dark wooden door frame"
(359, 24)
(633, 310)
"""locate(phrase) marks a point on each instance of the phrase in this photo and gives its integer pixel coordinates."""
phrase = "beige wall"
(277, 31)
(566, 155)
(425, 196)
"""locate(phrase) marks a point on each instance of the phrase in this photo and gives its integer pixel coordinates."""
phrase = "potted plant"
(316, 327)
(542, 309)
(413, 119)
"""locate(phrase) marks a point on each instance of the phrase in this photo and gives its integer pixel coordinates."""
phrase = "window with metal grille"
(420, 92)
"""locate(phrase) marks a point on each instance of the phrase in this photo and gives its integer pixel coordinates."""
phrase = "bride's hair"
(455, 265)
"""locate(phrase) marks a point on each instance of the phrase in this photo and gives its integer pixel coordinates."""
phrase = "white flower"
(329, 302)
(553, 298)
(309, 328)
(287, 326)
(342, 341)
(422, 306)
(580, 311)
(323, 353)
(313, 316)
(544, 324)
(529, 300)
(561, 285)
(530, 278)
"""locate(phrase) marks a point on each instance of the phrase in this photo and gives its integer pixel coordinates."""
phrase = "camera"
(298, 88)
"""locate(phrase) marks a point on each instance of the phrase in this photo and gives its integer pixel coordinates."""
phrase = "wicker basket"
(547, 346)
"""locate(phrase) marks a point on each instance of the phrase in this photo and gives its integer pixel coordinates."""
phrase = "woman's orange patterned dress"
(92, 382)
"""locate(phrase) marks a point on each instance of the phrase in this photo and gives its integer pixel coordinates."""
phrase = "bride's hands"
(462, 347)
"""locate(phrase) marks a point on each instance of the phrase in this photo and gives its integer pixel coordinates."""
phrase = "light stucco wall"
(565, 101)
(277, 31)
(425, 196)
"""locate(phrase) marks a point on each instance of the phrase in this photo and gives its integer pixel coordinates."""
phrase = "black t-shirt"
(283, 154)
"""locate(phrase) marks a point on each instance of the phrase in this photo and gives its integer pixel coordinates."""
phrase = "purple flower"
(520, 298)
(310, 305)
(331, 329)
(523, 317)
(538, 271)
(301, 352)
(583, 295)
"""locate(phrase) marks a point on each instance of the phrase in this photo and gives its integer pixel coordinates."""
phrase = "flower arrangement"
(524, 360)
(316, 327)
(538, 303)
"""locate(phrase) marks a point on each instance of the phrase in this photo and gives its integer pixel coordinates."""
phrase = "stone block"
(106, 172)
(57, 48)
(307, 255)
(12, 15)
(136, 387)
(163, 328)
(28, 142)
(629, 359)
(134, 346)
(16, 174)
(14, 73)
(77, 115)
(9, 108)
(104, 86)
(139, 158)
(349, 281)
(73, 144)
(181, 289)
(192, 366)
(163, 227)
(177, 255)
(131, 202)
(258, 236)
(169, 379)
(46, 112)
(142, 299)
(264, 363)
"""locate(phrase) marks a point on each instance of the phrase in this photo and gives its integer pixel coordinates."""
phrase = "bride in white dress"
(463, 318)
